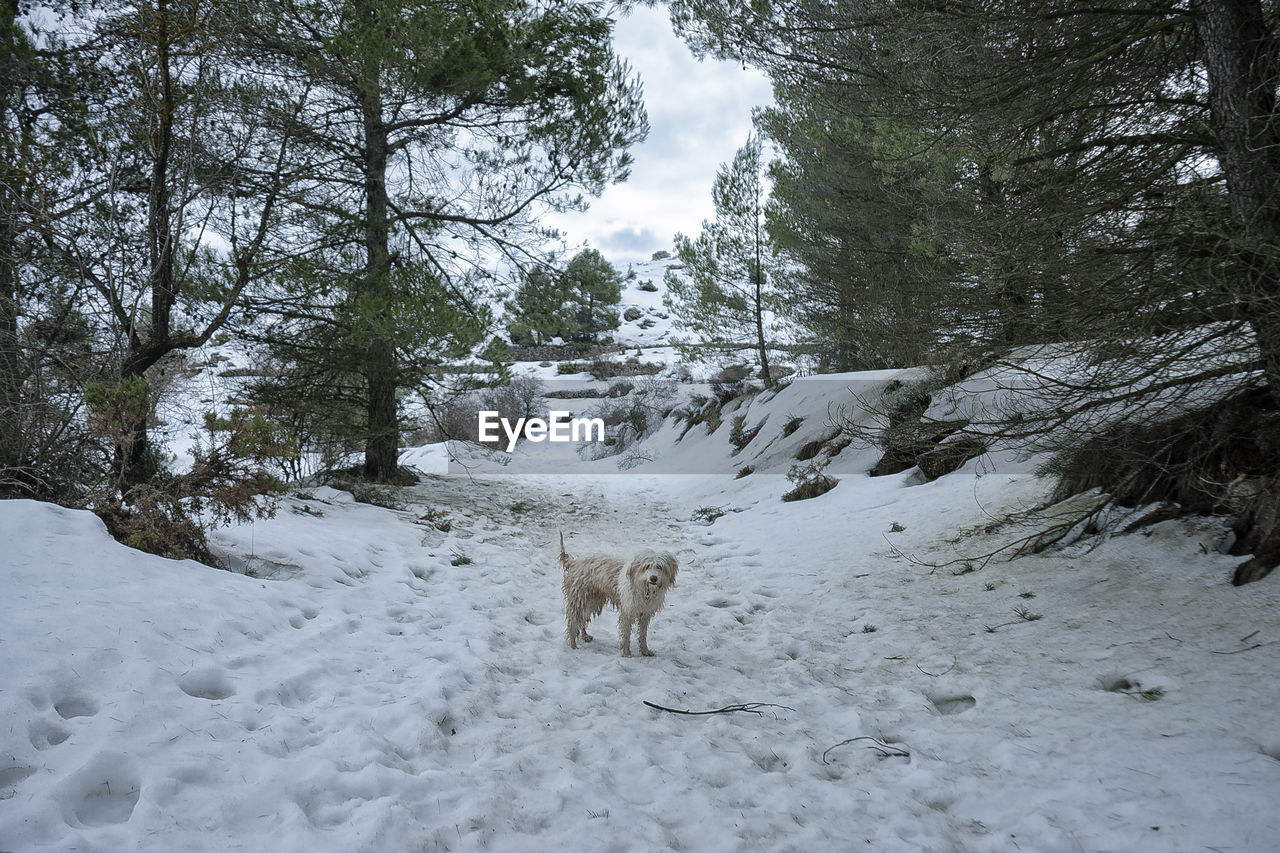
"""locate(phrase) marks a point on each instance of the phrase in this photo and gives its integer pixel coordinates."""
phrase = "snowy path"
(380, 692)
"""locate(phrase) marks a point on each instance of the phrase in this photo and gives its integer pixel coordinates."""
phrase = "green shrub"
(170, 514)
(810, 482)
(707, 513)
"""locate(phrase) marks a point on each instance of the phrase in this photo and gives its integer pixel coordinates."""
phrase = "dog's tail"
(564, 558)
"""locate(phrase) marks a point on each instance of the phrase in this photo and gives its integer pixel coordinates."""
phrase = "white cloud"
(699, 115)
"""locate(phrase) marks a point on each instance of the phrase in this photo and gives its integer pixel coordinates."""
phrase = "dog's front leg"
(644, 634)
(625, 620)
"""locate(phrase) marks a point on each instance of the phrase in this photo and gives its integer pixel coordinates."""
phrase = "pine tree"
(169, 147)
(593, 288)
(857, 225)
(726, 296)
(443, 129)
(1113, 191)
(538, 311)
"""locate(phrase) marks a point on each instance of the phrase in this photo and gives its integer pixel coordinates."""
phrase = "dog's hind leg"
(577, 631)
(625, 621)
(574, 623)
(577, 613)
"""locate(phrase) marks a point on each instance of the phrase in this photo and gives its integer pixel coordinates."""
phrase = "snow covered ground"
(396, 679)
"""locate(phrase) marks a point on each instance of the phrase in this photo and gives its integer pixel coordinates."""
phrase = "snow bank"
(397, 679)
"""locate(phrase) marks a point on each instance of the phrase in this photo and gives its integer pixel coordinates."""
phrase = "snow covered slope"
(652, 325)
(397, 678)
(647, 327)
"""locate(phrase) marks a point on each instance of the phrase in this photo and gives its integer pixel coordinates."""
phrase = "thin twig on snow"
(885, 750)
(748, 708)
(938, 674)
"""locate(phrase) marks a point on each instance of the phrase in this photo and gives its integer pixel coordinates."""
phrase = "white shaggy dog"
(637, 590)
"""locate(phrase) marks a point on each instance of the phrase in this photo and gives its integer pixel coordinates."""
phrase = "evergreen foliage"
(335, 180)
(140, 132)
(442, 129)
(577, 304)
(961, 180)
(537, 312)
(594, 289)
(47, 334)
(982, 176)
(727, 293)
(858, 227)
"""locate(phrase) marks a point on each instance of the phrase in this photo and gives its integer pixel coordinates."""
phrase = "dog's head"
(651, 571)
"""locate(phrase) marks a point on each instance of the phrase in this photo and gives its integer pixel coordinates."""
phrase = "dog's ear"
(633, 570)
(673, 565)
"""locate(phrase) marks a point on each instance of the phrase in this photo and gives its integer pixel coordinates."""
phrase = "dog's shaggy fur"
(636, 589)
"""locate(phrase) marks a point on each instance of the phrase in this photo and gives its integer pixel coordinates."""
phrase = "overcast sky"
(699, 115)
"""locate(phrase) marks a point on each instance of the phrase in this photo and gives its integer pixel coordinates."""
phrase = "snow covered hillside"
(396, 678)
(647, 327)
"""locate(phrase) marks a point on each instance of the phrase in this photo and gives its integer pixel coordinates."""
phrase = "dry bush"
(948, 456)
(456, 418)
(810, 449)
(1224, 458)
(603, 369)
(700, 410)
(630, 418)
(739, 435)
(157, 520)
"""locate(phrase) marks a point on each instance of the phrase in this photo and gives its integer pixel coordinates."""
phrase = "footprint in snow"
(302, 617)
(948, 705)
(73, 706)
(208, 682)
(102, 793)
(12, 775)
(45, 735)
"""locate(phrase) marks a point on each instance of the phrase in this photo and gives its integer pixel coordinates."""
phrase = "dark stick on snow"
(938, 674)
(885, 750)
(1238, 651)
(749, 708)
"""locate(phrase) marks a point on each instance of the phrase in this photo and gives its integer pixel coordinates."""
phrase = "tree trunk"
(136, 463)
(382, 440)
(760, 341)
(134, 460)
(757, 276)
(10, 350)
(1240, 58)
(159, 224)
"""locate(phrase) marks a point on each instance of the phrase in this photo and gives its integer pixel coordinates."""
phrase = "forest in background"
(348, 184)
(960, 181)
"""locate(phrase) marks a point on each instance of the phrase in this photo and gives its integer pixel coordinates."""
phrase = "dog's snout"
(653, 578)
